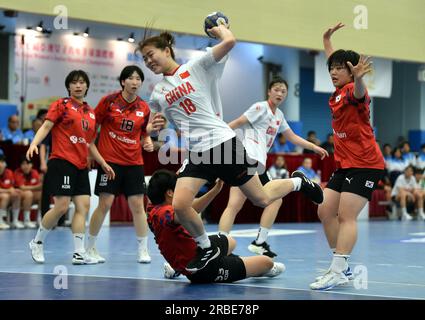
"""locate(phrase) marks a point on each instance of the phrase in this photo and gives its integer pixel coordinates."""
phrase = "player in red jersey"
(8, 193)
(28, 181)
(123, 117)
(178, 247)
(73, 125)
(359, 161)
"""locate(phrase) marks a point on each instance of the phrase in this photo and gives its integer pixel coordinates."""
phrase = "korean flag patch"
(139, 113)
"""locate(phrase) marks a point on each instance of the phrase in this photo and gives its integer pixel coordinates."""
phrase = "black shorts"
(65, 179)
(224, 268)
(129, 180)
(227, 161)
(360, 181)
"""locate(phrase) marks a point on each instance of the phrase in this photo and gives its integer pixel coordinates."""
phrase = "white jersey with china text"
(190, 100)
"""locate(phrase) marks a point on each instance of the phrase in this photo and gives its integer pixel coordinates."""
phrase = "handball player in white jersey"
(259, 126)
(188, 97)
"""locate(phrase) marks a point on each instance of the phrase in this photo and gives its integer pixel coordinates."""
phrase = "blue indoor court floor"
(389, 262)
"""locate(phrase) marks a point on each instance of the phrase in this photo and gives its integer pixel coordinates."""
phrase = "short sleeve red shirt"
(354, 140)
(175, 243)
(122, 126)
(22, 179)
(74, 130)
(7, 179)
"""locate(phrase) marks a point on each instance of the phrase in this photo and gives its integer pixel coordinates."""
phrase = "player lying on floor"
(178, 247)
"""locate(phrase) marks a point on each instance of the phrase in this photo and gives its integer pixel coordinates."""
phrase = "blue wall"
(6, 110)
(314, 109)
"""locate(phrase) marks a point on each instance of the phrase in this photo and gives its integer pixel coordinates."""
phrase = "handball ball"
(214, 20)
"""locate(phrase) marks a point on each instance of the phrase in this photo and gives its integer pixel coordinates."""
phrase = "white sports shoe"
(4, 225)
(329, 280)
(30, 225)
(143, 256)
(406, 217)
(79, 258)
(37, 252)
(169, 272)
(93, 253)
(277, 269)
(348, 273)
(421, 216)
(17, 225)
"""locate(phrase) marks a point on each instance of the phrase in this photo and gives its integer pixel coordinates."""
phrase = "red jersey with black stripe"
(354, 140)
(7, 179)
(122, 126)
(74, 130)
(175, 243)
(30, 179)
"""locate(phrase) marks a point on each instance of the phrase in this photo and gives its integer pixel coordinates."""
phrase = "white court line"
(296, 260)
(384, 264)
(420, 267)
(241, 284)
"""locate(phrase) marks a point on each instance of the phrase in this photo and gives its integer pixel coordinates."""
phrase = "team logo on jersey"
(7, 181)
(85, 124)
(74, 108)
(118, 110)
(338, 98)
(139, 114)
(112, 134)
(271, 131)
(73, 139)
(369, 184)
(33, 180)
(92, 116)
(184, 75)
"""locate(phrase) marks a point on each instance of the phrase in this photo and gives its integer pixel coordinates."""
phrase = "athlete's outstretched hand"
(158, 122)
(109, 171)
(148, 145)
(218, 185)
(30, 152)
(321, 152)
(328, 33)
(360, 69)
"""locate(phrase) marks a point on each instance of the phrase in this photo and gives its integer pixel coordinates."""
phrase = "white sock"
(333, 250)
(224, 233)
(421, 211)
(41, 234)
(15, 215)
(3, 214)
(203, 241)
(297, 183)
(404, 211)
(262, 235)
(78, 242)
(27, 216)
(91, 241)
(143, 242)
(339, 262)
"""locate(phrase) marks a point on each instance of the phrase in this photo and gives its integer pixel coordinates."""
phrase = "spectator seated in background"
(28, 181)
(328, 145)
(387, 152)
(29, 134)
(312, 137)
(8, 195)
(309, 172)
(280, 145)
(395, 165)
(408, 156)
(406, 191)
(420, 160)
(13, 132)
(278, 170)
